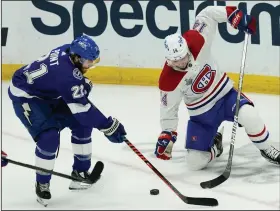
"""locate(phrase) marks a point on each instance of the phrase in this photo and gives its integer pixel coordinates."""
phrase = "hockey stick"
(186, 199)
(223, 177)
(94, 176)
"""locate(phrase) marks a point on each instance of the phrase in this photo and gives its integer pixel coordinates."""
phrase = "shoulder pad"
(170, 78)
(195, 42)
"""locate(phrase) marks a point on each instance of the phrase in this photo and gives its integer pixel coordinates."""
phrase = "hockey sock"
(82, 149)
(254, 126)
(47, 145)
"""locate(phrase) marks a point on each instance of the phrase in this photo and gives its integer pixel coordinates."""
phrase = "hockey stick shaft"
(41, 169)
(188, 200)
(152, 167)
(240, 84)
(219, 180)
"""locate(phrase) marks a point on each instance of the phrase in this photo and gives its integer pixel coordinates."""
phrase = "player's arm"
(207, 20)
(169, 107)
(170, 99)
(170, 102)
(88, 86)
(86, 113)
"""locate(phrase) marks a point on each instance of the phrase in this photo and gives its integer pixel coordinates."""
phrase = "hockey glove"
(4, 162)
(243, 22)
(165, 144)
(116, 132)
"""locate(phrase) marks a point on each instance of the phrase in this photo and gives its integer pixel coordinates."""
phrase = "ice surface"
(126, 181)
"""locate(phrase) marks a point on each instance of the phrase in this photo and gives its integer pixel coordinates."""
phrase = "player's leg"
(46, 148)
(82, 150)
(81, 144)
(254, 126)
(37, 118)
(203, 145)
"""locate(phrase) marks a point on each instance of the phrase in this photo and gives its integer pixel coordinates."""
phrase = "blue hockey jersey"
(53, 78)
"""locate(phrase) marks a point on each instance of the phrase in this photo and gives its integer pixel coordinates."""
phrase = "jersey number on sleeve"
(36, 73)
(199, 26)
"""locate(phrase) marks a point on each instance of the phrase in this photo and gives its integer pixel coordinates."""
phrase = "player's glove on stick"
(165, 144)
(240, 20)
(3, 161)
(116, 132)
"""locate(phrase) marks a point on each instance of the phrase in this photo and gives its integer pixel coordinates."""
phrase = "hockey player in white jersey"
(191, 74)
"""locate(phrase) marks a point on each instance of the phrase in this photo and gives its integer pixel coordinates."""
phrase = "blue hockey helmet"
(85, 47)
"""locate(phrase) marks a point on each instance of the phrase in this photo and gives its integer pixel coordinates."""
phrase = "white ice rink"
(126, 181)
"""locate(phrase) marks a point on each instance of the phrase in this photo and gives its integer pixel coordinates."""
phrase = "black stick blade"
(201, 201)
(96, 172)
(214, 182)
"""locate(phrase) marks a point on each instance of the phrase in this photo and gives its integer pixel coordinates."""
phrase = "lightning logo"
(26, 110)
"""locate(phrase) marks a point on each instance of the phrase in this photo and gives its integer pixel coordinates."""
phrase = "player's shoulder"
(195, 42)
(68, 72)
(169, 78)
(63, 54)
(69, 78)
(60, 56)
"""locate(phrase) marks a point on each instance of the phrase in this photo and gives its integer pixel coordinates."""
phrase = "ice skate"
(77, 185)
(43, 193)
(218, 142)
(272, 155)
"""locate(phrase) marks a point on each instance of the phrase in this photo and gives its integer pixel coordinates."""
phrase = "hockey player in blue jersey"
(51, 94)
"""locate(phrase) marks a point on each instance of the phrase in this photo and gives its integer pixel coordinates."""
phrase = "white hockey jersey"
(203, 84)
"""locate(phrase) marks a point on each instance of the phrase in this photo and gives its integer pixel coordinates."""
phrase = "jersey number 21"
(38, 72)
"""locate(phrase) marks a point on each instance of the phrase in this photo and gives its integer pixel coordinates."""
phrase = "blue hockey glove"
(3, 161)
(116, 132)
(165, 144)
(240, 20)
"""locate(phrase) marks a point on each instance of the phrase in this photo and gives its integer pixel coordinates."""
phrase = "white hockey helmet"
(176, 47)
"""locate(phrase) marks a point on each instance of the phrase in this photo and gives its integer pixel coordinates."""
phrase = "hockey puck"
(154, 192)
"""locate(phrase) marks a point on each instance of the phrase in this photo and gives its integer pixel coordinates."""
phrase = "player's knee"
(196, 160)
(81, 132)
(48, 141)
(249, 116)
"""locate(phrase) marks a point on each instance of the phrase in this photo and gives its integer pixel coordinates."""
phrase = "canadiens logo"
(204, 80)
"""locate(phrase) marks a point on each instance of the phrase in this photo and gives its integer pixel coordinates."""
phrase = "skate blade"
(43, 202)
(79, 186)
